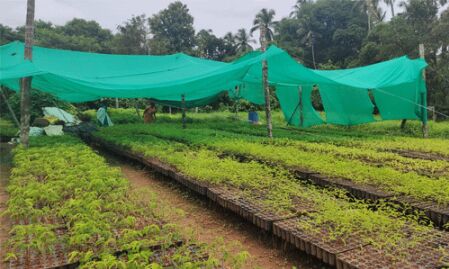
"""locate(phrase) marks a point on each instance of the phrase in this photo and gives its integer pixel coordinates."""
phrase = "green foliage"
(332, 30)
(172, 27)
(118, 115)
(39, 100)
(203, 155)
(132, 37)
(59, 183)
(7, 34)
(420, 179)
(7, 128)
(209, 46)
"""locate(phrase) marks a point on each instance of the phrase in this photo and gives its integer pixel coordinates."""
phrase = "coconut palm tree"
(243, 40)
(374, 13)
(307, 36)
(297, 7)
(229, 38)
(25, 84)
(264, 22)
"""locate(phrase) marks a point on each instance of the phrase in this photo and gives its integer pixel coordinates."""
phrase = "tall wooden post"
(136, 105)
(183, 106)
(301, 110)
(236, 103)
(16, 121)
(403, 122)
(266, 85)
(25, 83)
(425, 129)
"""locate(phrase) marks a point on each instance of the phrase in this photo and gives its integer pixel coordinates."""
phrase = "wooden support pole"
(183, 106)
(425, 129)
(434, 114)
(13, 116)
(266, 85)
(25, 83)
(301, 110)
(236, 103)
(403, 122)
(137, 108)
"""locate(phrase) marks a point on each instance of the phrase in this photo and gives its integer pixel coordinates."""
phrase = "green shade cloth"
(289, 98)
(397, 86)
(80, 76)
(346, 105)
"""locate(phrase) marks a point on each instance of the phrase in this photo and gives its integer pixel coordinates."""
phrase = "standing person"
(103, 117)
(149, 115)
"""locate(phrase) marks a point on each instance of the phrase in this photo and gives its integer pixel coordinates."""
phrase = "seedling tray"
(312, 244)
(424, 255)
(439, 215)
(32, 259)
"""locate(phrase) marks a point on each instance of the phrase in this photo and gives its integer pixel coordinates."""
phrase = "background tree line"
(325, 34)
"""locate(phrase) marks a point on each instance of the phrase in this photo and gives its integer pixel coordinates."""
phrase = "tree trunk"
(392, 9)
(137, 108)
(312, 42)
(266, 85)
(16, 121)
(25, 83)
(183, 107)
(116, 102)
(369, 21)
(425, 129)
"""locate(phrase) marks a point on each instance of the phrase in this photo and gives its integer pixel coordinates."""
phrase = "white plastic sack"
(36, 131)
(61, 114)
(53, 130)
(103, 117)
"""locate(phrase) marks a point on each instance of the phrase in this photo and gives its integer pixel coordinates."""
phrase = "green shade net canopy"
(80, 76)
(396, 87)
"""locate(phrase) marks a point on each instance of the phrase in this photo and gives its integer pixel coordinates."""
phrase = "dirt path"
(207, 222)
(5, 167)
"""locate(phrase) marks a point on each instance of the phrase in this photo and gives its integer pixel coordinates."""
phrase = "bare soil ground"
(207, 222)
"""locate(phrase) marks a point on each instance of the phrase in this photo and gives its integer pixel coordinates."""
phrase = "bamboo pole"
(266, 85)
(25, 83)
(403, 122)
(301, 114)
(183, 105)
(137, 108)
(11, 111)
(236, 103)
(425, 129)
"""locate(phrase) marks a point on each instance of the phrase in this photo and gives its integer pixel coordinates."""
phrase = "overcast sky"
(221, 16)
